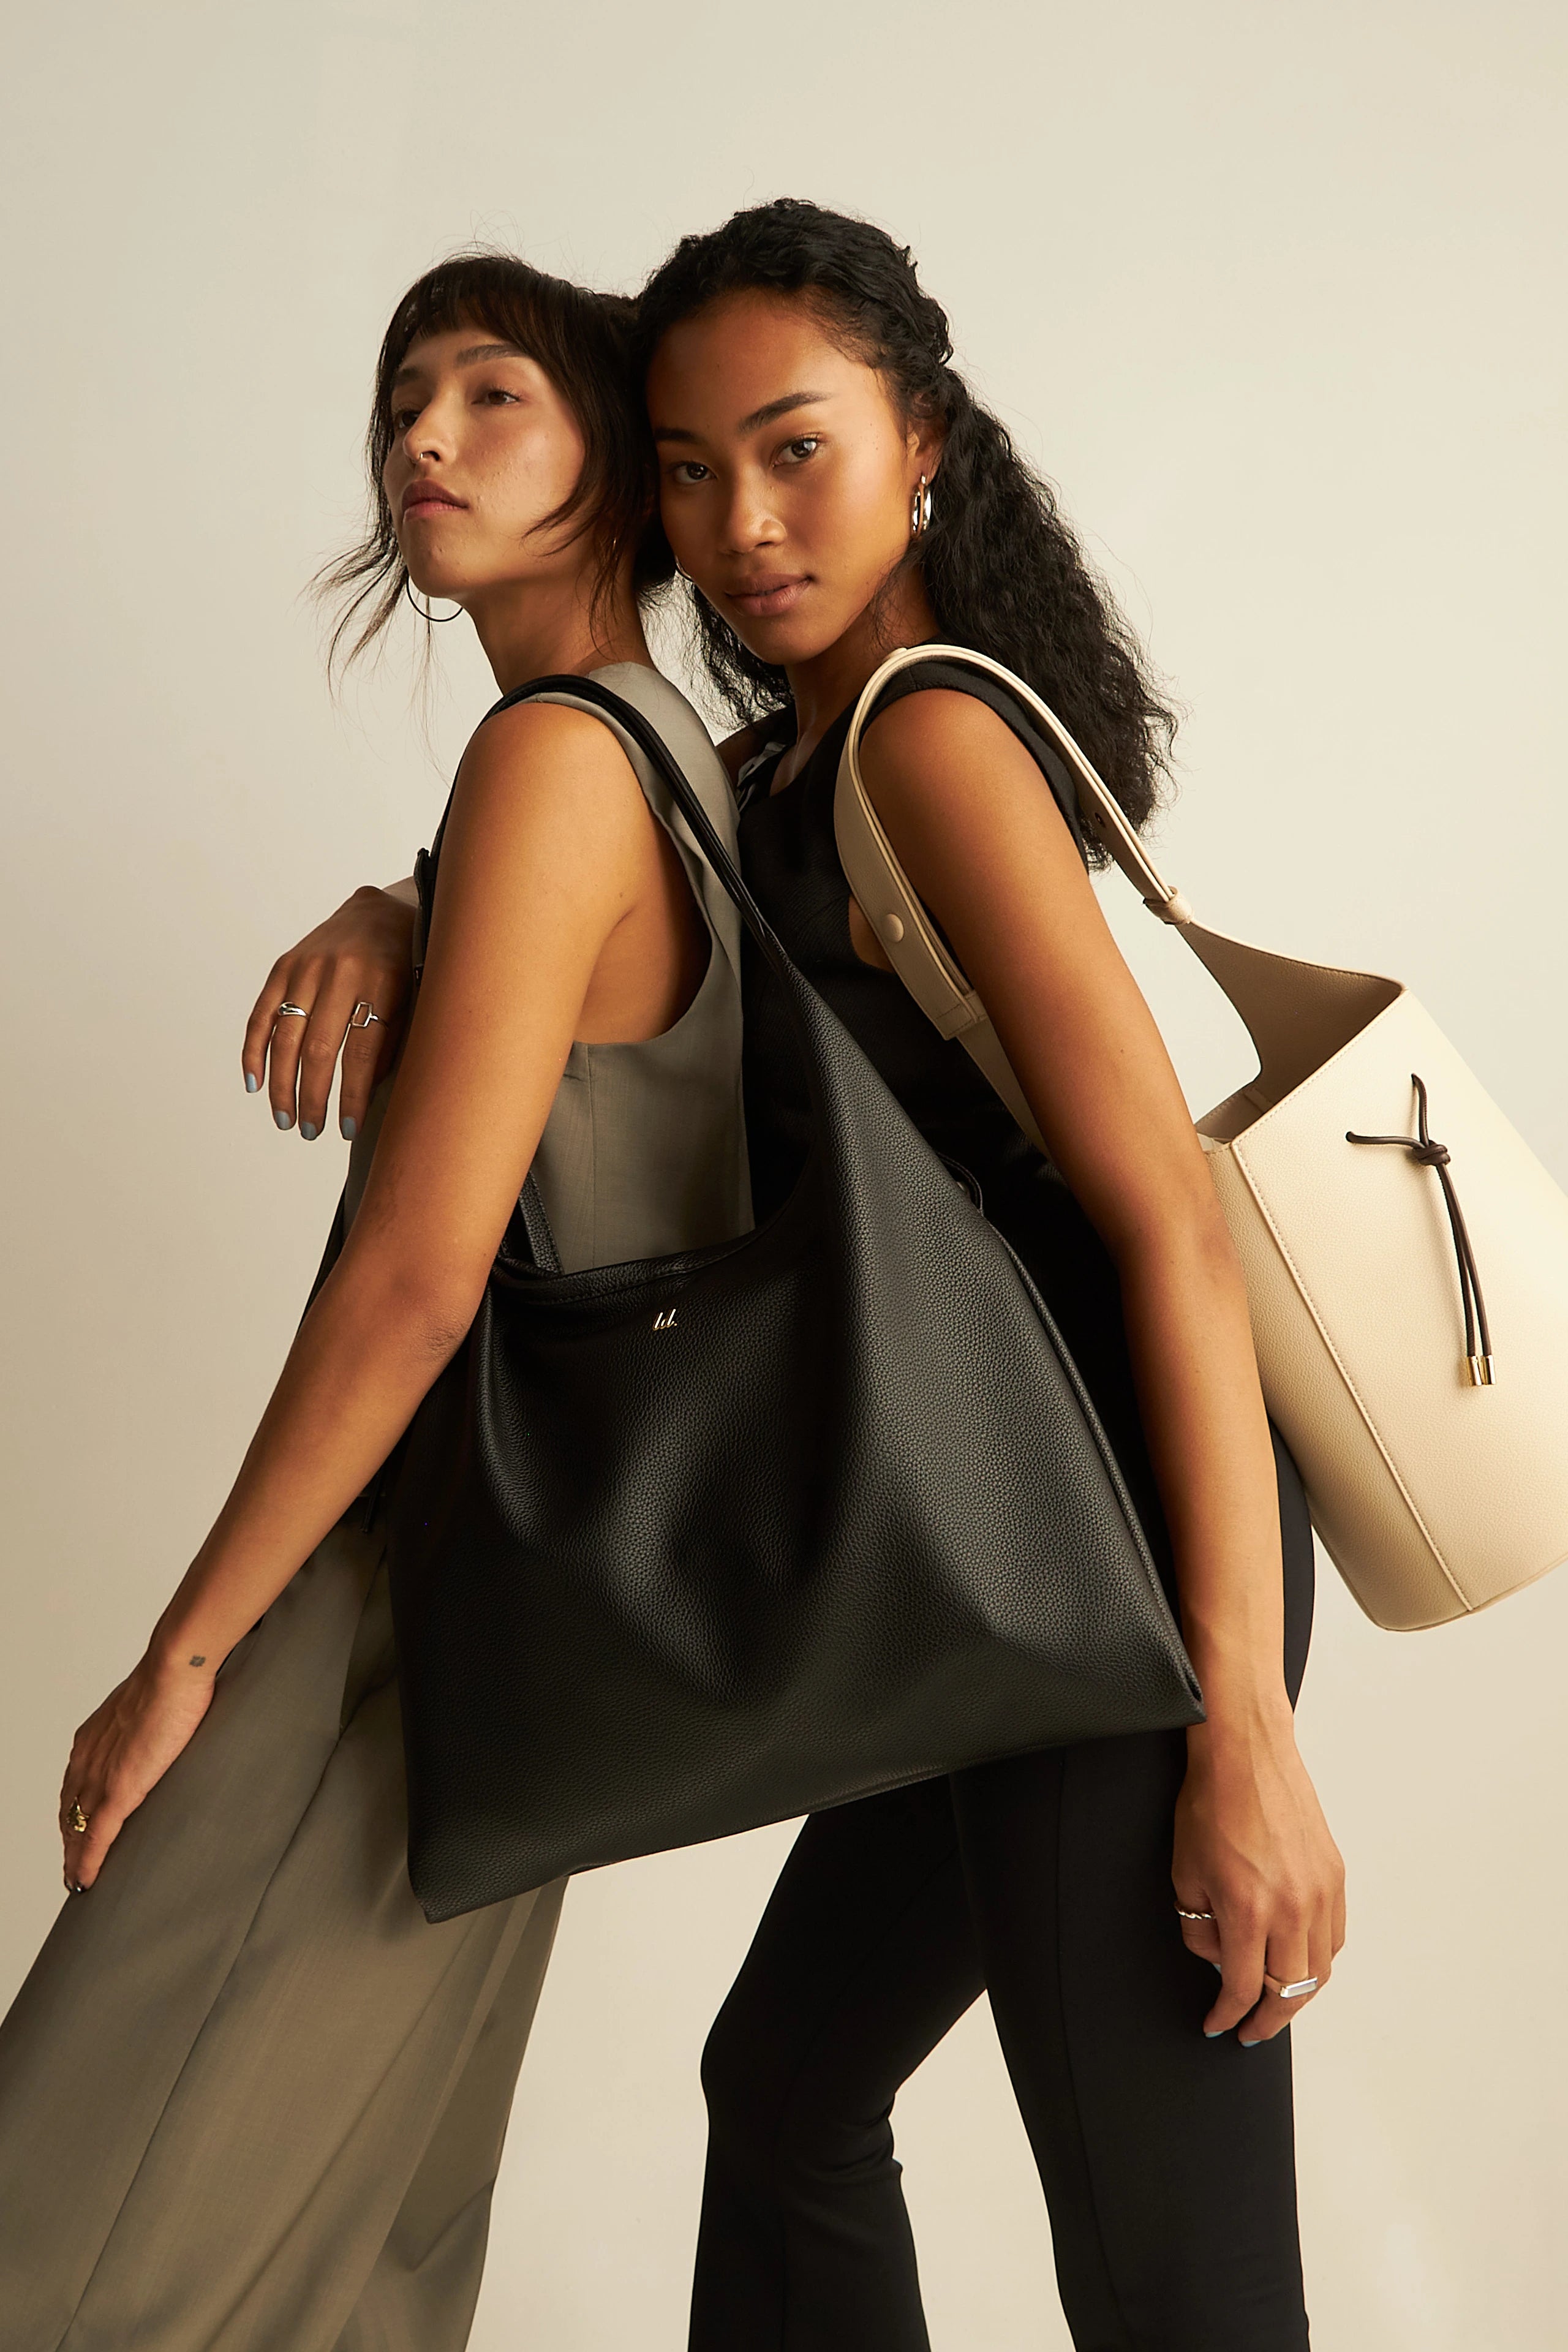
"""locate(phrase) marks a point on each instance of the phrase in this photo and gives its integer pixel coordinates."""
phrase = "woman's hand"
(360, 956)
(1252, 1846)
(124, 1749)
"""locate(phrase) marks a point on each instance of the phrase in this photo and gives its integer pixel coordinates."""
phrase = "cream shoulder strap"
(1298, 1013)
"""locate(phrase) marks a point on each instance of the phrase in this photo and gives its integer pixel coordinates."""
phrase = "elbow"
(435, 1329)
(422, 1313)
(1185, 1238)
(433, 1314)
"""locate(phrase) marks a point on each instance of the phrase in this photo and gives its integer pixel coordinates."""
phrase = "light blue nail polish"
(1255, 2045)
(350, 1128)
(309, 1131)
(1212, 2033)
(285, 1119)
(252, 1083)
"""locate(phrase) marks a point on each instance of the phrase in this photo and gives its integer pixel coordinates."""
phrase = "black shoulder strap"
(651, 743)
(532, 1221)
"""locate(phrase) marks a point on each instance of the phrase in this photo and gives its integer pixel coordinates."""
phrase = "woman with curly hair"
(832, 488)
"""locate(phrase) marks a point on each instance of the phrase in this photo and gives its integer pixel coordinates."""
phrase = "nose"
(429, 437)
(749, 520)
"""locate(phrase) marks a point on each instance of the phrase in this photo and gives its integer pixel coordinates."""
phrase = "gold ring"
(76, 1821)
(1193, 1914)
(1297, 1992)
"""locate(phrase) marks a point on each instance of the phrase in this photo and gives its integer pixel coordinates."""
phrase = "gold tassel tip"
(1480, 1372)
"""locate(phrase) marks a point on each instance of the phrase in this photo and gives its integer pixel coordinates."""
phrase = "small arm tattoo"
(200, 1661)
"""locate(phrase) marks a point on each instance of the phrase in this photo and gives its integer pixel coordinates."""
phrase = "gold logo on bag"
(664, 1320)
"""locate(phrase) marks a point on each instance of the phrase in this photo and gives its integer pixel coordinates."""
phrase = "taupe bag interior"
(1406, 1254)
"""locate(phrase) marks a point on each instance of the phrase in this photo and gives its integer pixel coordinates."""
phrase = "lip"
(769, 596)
(427, 498)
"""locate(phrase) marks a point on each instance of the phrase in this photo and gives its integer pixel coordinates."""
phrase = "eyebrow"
(469, 358)
(768, 414)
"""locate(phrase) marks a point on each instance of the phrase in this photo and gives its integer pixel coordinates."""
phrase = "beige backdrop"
(1273, 293)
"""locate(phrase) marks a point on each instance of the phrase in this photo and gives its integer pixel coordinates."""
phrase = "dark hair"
(583, 340)
(1002, 570)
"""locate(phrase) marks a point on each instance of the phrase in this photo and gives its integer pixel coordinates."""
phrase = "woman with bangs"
(247, 2095)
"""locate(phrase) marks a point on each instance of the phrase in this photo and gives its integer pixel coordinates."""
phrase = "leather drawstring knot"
(1427, 1154)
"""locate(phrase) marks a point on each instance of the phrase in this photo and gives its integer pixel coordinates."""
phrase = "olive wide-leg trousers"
(250, 2100)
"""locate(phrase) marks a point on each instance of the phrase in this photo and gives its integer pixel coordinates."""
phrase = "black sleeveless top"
(790, 858)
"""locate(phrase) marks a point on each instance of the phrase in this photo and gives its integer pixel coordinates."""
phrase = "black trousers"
(1167, 2161)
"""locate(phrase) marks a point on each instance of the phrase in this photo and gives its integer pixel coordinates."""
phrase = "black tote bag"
(684, 1546)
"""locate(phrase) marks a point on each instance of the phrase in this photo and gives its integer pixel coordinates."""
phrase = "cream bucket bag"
(1392, 1226)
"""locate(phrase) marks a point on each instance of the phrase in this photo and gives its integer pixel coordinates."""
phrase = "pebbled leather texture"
(687, 1545)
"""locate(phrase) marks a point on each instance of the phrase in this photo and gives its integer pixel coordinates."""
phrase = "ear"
(926, 443)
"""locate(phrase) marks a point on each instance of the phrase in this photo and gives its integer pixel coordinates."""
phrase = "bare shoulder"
(943, 754)
(547, 790)
(540, 746)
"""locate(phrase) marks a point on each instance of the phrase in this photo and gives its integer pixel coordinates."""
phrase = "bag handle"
(1101, 810)
(1298, 1015)
(668, 768)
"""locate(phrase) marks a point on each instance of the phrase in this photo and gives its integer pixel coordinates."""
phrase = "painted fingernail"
(252, 1083)
(1253, 2044)
(309, 1131)
(1212, 2033)
(285, 1119)
(350, 1128)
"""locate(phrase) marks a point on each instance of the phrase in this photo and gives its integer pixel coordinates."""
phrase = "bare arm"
(984, 844)
(359, 954)
(550, 850)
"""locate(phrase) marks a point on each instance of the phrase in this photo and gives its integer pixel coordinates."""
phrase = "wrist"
(172, 1664)
(1243, 1685)
(1239, 1665)
(1256, 1715)
(183, 1648)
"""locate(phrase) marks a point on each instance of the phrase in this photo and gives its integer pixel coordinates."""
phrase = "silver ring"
(364, 1013)
(300, 1012)
(1297, 1992)
(1194, 1915)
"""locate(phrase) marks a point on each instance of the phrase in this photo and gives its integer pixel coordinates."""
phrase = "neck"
(547, 627)
(829, 683)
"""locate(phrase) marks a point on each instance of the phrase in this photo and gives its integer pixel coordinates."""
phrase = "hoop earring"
(919, 509)
(436, 620)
